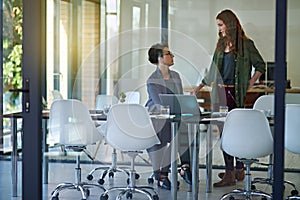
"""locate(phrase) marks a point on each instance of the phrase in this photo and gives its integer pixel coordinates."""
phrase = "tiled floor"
(59, 172)
(64, 172)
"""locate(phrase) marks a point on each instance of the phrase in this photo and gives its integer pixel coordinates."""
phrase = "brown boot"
(239, 174)
(228, 179)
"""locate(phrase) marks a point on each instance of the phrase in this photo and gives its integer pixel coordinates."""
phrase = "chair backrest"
(56, 94)
(71, 124)
(103, 99)
(265, 103)
(132, 97)
(246, 134)
(292, 133)
(292, 98)
(129, 128)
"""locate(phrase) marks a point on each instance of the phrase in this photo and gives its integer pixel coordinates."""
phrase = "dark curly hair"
(156, 51)
(234, 34)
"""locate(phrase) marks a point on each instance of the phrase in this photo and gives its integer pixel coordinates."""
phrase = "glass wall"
(11, 67)
(101, 46)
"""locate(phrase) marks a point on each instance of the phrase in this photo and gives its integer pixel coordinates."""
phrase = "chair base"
(111, 170)
(78, 185)
(150, 192)
(293, 197)
(82, 187)
(128, 191)
(269, 181)
(246, 194)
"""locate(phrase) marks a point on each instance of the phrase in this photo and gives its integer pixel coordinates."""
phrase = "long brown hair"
(234, 33)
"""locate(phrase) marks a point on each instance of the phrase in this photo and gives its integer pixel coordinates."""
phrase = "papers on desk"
(162, 116)
(97, 115)
(219, 119)
(45, 111)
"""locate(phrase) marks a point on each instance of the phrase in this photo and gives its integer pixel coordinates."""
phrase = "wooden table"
(251, 95)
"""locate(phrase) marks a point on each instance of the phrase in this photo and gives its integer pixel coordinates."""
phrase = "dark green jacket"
(247, 57)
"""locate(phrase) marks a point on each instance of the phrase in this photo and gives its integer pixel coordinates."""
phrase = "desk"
(193, 131)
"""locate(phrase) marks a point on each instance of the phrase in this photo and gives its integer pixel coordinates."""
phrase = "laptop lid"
(184, 105)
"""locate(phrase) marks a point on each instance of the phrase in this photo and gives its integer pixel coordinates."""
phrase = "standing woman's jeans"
(227, 97)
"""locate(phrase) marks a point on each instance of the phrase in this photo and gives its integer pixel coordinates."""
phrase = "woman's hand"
(197, 89)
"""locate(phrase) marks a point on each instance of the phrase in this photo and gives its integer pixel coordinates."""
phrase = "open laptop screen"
(184, 105)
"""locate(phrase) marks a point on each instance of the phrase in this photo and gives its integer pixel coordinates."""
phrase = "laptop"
(185, 106)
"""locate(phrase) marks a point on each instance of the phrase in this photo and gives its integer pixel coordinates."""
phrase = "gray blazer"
(157, 85)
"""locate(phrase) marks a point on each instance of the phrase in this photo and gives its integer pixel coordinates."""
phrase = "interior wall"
(293, 42)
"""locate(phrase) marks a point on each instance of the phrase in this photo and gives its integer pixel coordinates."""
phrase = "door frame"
(33, 66)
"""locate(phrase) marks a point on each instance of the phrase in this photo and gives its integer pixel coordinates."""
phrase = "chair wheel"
(87, 192)
(264, 198)
(89, 177)
(253, 187)
(111, 174)
(101, 181)
(129, 195)
(104, 197)
(294, 192)
(137, 176)
(54, 198)
(150, 180)
(231, 198)
(155, 197)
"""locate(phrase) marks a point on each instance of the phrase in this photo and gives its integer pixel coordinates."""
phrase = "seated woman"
(164, 81)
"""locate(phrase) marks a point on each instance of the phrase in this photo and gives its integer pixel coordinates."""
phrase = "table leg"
(193, 129)
(174, 150)
(209, 152)
(14, 156)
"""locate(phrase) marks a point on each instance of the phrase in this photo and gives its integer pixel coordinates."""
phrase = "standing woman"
(164, 81)
(230, 78)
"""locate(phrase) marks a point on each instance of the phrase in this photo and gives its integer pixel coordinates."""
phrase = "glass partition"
(100, 47)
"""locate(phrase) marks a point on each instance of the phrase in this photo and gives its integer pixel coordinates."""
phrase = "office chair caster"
(87, 192)
(231, 198)
(294, 192)
(104, 197)
(150, 180)
(129, 195)
(111, 174)
(89, 177)
(137, 176)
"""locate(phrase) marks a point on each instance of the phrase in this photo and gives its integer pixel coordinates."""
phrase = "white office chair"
(247, 135)
(101, 101)
(292, 98)
(129, 129)
(292, 133)
(56, 95)
(72, 127)
(131, 97)
(265, 103)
